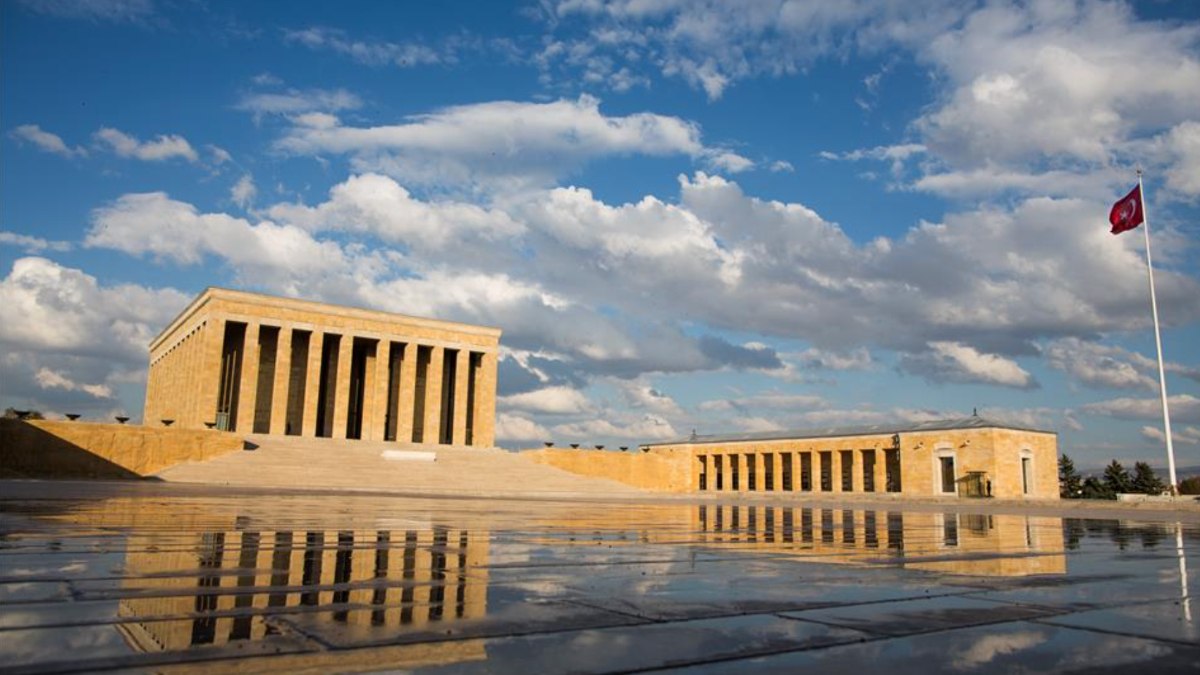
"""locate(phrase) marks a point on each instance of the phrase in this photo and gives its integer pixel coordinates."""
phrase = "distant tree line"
(1116, 480)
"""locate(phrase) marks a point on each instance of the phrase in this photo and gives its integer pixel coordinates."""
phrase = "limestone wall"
(59, 449)
(661, 470)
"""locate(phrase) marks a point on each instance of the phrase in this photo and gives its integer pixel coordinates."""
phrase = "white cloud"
(955, 362)
(116, 11)
(32, 244)
(1183, 408)
(404, 55)
(641, 395)
(46, 141)
(511, 428)
(648, 427)
(244, 191)
(50, 379)
(498, 142)
(219, 155)
(1189, 435)
(781, 166)
(549, 400)
(1099, 365)
(731, 162)
(299, 101)
(854, 359)
(160, 149)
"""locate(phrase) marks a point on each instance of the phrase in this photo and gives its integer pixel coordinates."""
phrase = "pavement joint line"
(1045, 621)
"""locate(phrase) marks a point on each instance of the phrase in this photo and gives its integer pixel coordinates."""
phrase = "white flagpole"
(1162, 377)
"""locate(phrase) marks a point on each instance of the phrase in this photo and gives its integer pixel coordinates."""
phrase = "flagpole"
(1162, 377)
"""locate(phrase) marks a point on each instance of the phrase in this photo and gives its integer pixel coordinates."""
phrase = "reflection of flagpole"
(1183, 579)
(1162, 377)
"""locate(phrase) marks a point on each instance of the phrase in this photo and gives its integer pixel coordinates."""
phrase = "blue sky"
(717, 216)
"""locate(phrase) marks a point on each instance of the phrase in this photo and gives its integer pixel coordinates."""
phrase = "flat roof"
(217, 292)
(973, 422)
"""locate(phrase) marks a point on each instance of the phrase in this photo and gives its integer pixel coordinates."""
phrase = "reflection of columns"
(283, 374)
(462, 373)
(378, 394)
(341, 395)
(312, 384)
(406, 394)
(248, 387)
(433, 396)
(210, 381)
(484, 434)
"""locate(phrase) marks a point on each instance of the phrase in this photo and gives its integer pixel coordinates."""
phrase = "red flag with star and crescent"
(1127, 213)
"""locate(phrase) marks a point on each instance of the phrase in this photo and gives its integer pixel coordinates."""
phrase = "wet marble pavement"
(119, 577)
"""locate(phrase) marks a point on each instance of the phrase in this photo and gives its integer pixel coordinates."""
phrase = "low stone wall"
(662, 471)
(59, 449)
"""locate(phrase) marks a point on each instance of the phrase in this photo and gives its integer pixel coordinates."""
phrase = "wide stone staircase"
(303, 463)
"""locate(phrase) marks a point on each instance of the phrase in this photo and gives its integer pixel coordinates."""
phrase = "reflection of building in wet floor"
(228, 585)
(951, 543)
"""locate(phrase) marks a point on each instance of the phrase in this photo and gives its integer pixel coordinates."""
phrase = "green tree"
(1117, 479)
(1070, 483)
(1190, 486)
(1094, 488)
(1145, 481)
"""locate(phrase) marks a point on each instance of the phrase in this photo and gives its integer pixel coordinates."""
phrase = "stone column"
(433, 396)
(283, 375)
(779, 471)
(312, 384)
(880, 470)
(378, 396)
(248, 385)
(856, 470)
(485, 402)
(835, 470)
(210, 371)
(406, 396)
(341, 396)
(462, 374)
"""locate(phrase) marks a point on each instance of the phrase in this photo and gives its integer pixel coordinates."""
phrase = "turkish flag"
(1127, 214)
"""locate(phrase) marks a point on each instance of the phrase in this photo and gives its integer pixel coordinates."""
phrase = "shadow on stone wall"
(27, 451)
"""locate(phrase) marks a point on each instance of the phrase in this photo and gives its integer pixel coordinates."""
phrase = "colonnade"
(781, 470)
(307, 380)
(385, 578)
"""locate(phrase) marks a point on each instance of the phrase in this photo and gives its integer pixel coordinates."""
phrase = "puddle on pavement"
(254, 582)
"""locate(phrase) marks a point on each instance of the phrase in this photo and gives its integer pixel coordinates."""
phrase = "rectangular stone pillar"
(835, 470)
(312, 384)
(462, 373)
(210, 380)
(283, 374)
(379, 392)
(778, 487)
(880, 470)
(856, 472)
(248, 385)
(433, 396)
(341, 389)
(406, 396)
(484, 435)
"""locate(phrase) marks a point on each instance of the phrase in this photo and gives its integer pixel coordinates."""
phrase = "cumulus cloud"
(498, 142)
(46, 141)
(163, 147)
(956, 362)
(1099, 365)
(854, 359)
(1189, 435)
(516, 428)
(299, 101)
(50, 379)
(648, 427)
(1183, 408)
(550, 400)
(32, 244)
(244, 191)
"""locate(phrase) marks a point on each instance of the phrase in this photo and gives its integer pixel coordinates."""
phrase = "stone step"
(289, 462)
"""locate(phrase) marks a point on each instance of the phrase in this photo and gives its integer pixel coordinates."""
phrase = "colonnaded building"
(968, 457)
(261, 364)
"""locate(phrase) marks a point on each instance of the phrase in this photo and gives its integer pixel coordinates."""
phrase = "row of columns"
(478, 394)
(759, 471)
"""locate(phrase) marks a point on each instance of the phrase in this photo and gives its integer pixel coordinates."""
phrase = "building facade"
(969, 457)
(255, 363)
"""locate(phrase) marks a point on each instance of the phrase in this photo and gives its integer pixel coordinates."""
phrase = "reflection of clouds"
(989, 647)
(1108, 652)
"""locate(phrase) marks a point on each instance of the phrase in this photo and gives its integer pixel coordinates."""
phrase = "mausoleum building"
(260, 364)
